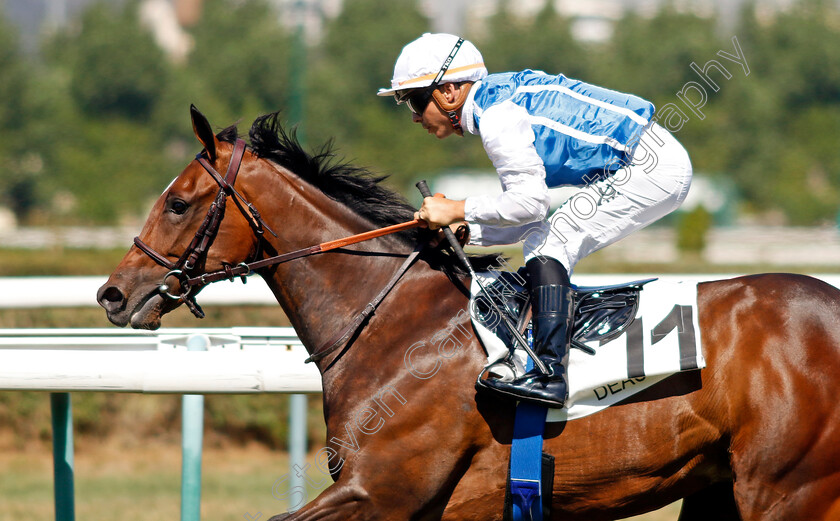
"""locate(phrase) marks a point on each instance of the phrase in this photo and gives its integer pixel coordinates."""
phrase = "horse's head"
(175, 244)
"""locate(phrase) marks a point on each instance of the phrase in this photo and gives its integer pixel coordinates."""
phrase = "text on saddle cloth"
(631, 336)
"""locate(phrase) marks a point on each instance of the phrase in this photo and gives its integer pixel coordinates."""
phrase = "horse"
(753, 436)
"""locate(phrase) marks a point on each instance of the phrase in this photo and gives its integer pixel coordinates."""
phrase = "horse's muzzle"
(142, 313)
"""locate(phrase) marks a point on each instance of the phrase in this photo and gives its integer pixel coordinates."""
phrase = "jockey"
(541, 131)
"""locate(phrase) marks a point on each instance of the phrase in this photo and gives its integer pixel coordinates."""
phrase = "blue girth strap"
(526, 461)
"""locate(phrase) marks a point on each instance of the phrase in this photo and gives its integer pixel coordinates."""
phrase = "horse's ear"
(204, 132)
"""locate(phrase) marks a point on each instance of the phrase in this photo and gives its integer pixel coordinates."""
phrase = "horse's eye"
(178, 207)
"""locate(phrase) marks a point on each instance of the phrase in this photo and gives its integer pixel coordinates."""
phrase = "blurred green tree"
(104, 158)
(14, 75)
(650, 57)
(19, 184)
(240, 61)
(782, 125)
(116, 67)
(109, 170)
(98, 126)
(542, 42)
(692, 230)
(355, 60)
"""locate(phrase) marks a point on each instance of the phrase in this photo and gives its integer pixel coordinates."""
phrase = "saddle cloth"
(649, 334)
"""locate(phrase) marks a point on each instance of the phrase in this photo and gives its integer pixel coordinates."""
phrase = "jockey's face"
(434, 119)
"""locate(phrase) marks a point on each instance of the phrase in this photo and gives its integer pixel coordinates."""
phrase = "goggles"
(418, 99)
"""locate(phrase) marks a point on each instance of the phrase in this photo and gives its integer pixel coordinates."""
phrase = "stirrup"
(511, 395)
(507, 370)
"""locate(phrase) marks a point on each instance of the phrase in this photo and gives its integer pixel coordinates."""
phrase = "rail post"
(192, 437)
(297, 440)
(62, 428)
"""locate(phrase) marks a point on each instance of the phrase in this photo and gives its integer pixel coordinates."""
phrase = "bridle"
(196, 252)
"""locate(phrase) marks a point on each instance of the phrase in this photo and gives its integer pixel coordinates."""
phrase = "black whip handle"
(453, 241)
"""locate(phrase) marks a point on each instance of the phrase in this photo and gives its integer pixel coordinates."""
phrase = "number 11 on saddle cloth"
(661, 339)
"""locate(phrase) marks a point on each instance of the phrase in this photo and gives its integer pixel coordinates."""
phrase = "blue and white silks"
(580, 130)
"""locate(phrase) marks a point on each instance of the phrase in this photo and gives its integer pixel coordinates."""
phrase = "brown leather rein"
(196, 252)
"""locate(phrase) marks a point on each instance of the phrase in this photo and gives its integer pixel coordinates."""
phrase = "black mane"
(352, 186)
(355, 187)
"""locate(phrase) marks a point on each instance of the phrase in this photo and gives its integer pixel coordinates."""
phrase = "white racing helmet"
(421, 61)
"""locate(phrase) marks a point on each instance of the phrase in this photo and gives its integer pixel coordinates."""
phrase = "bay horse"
(753, 436)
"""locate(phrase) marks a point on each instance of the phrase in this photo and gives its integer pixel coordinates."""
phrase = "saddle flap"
(601, 312)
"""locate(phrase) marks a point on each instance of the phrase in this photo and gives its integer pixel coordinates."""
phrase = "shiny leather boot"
(553, 308)
(553, 316)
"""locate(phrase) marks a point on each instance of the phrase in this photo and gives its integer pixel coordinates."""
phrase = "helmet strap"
(452, 108)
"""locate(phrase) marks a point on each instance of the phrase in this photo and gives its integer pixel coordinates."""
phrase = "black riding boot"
(552, 301)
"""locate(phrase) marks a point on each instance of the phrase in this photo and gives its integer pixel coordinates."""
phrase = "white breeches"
(600, 213)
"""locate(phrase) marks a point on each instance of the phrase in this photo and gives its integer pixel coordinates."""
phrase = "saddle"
(601, 312)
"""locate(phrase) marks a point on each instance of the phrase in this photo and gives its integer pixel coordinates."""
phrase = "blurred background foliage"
(95, 122)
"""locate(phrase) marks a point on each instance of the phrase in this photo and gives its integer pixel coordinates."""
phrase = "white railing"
(36, 292)
(237, 360)
(189, 362)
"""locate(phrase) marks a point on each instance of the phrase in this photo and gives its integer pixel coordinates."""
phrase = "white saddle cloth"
(663, 339)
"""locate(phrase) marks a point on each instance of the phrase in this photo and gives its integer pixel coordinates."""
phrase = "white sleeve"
(509, 142)
(487, 235)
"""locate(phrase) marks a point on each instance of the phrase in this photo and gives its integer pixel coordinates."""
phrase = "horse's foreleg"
(479, 495)
(337, 502)
(348, 501)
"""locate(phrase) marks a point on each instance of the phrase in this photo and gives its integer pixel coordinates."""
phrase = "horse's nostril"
(111, 298)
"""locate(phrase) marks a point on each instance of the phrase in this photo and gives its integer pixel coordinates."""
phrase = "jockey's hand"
(439, 211)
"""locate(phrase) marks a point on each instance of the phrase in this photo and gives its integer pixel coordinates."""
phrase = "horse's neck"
(322, 293)
(420, 330)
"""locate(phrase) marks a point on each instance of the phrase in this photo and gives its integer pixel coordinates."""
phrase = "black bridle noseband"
(196, 252)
